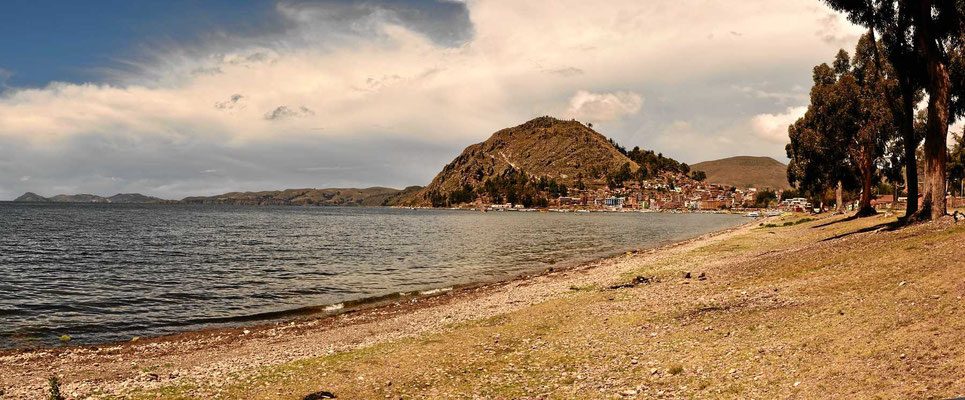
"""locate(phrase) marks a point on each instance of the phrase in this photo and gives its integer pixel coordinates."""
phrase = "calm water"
(103, 273)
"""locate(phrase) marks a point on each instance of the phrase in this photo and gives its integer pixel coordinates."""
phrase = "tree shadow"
(851, 218)
(887, 227)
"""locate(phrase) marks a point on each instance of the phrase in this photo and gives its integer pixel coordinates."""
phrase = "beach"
(762, 310)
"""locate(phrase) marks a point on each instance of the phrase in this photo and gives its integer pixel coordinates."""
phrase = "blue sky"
(77, 41)
(180, 98)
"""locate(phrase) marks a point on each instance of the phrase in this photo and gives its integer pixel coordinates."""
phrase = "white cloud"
(773, 127)
(384, 79)
(589, 106)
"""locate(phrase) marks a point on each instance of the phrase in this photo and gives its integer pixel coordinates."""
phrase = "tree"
(846, 128)
(876, 124)
(698, 176)
(818, 147)
(924, 39)
(765, 198)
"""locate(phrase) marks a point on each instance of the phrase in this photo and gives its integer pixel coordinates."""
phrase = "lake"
(110, 272)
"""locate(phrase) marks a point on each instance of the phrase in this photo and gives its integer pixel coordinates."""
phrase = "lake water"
(102, 273)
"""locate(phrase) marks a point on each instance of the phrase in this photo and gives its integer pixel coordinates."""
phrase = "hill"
(745, 171)
(32, 197)
(561, 152)
(374, 196)
(89, 198)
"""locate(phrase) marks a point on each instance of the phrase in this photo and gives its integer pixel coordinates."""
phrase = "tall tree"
(876, 126)
(845, 130)
(818, 149)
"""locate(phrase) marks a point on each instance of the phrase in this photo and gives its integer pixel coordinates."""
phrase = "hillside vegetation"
(746, 171)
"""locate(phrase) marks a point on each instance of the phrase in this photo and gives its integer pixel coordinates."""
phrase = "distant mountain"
(374, 196)
(745, 171)
(89, 198)
(32, 197)
(566, 152)
(133, 198)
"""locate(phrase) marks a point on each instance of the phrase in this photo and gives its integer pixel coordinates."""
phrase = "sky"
(183, 98)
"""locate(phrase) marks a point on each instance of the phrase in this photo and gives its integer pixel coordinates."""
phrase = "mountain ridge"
(372, 196)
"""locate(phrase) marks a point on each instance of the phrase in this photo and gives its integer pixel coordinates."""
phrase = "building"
(613, 201)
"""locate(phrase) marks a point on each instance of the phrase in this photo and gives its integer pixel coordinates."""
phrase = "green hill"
(745, 171)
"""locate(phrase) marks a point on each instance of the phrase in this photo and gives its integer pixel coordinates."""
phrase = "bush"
(54, 389)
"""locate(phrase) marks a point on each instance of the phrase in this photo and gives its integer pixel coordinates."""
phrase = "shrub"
(54, 389)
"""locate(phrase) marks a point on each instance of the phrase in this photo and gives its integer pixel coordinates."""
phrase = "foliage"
(790, 194)
(765, 198)
(54, 389)
(698, 176)
(846, 130)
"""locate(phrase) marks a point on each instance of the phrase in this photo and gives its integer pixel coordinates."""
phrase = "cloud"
(283, 112)
(566, 72)
(230, 104)
(796, 94)
(589, 106)
(428, 77)
(773, 127)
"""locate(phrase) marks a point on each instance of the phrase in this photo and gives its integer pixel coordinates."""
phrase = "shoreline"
(390, 308)
(329, 310)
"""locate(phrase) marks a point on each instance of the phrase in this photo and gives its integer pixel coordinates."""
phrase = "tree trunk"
(904, 112)
(896, 190)
(839, 198)
(864, 204)
(911, 147)
(936, 129)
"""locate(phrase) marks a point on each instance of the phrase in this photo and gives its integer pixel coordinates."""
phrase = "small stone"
(629, 392)
(245, 331)
(902, 283)
(634, 361)
(687, 275)
(320, 396)
(902, 356)
(654, 371)
(702, 276)
(796, 384)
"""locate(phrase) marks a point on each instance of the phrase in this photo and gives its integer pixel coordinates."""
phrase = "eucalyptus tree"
(818, 148)
(843, 135)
